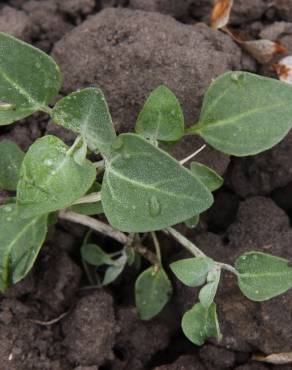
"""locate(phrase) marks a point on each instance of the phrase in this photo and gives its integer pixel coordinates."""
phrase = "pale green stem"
(71, 150)
(90, 198)
(185, 160)
(47, 110)
(185, 242)
(157, 247)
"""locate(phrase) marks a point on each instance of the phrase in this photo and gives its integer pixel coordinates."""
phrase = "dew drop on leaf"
(8, 219)
(154, 206)
(48, 162)
(7, 209)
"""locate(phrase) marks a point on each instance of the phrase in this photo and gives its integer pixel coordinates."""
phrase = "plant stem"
(105, 229)
(90, 198)
(157, 247)
(185, 160)
(71, 150)
(186, 243)
(47, 110)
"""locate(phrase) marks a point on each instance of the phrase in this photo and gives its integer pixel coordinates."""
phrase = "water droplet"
(38, 65)
(48, 162)
(154, 206)
(8, 219)
(53, 173)
(134, 207)
(117, 144)
(256, 292)
(7, 209)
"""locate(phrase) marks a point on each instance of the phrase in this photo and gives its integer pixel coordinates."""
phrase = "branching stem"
(105, 229)
(90, 198)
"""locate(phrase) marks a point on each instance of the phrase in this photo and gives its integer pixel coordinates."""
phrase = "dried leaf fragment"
(263, 50)
(221, 13)
(276, 358)
(284, 69)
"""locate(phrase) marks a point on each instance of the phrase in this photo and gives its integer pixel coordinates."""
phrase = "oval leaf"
(11, 157)
(94, 255)
(208, 177)
(200, 323)
(20, 242)
(152, 291)
(50, 179)
(263, 276)
(29, 79)
(86, 113)
(245, 114)
(144, 189)
(114, 271)
(208, 292)
(192, 271)
(161, 117)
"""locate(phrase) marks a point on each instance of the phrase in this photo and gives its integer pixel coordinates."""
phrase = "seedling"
(138, 186)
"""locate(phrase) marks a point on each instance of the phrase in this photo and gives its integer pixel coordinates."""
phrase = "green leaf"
(86, 113)
(20, 242)
(192, 222)
(29, 79)
(11, 157)
(263, 276)
(145, 189)
(131, 255)
(208, 177)
(245, 114)
(114, 271)
(94, 255)
(152, 291)
(88, 209)
(80, 152)
(201, 323)
(208, 292)
(50, 179)
(161, 117)
(192, 271)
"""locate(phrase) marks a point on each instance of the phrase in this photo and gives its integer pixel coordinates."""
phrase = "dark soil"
(128, 48)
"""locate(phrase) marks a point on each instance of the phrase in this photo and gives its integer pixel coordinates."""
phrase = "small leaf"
(11, 157)
(284, 69)
(145, 189)
(29, 79)
(208, 177)
(95, 256)
(192, 271)
(152, 291)
(192, 222)
(239, 117)
(200, 323)
(114, 271)
(161, 117)
(20, 243)
(80, 153)
(263, 276)
(86, 113)
(208, 292)
(221, 13)
(131, 255)
(50, 179)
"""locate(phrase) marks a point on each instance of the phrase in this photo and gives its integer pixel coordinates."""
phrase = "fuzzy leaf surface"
(11, 157)
(245, 114)
(86, 113)
(200, 323)
(192, 271)
(50, 178)
(145, 189)
(161, 117)
(263, 276)
(152, 291)
(20, 242)
(29, 79)
(208, 177)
